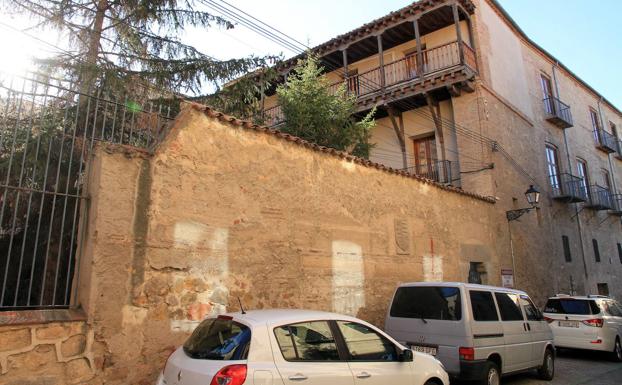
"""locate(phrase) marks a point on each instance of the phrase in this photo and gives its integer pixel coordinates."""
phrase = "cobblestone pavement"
(575, 368)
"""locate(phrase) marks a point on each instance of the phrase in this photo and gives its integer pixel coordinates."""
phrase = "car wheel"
(493, 375)
(547, 370)
(617, 351)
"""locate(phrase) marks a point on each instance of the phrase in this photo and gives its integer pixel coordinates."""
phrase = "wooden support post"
(454, 8)
(345, 69)
(399, 132)
(420, 68)
(381, 62)
(435, 110)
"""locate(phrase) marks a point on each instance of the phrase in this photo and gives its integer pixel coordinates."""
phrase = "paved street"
(576, 368)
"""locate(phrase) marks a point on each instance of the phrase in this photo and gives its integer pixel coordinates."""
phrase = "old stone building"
(169, 226)
(465, 98)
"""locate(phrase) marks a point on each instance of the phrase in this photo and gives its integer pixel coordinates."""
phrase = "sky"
(585, 35)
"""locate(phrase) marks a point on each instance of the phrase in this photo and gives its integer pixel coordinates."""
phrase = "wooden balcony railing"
(403, 70)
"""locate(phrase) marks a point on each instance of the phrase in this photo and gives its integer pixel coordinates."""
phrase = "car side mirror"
(406, 356)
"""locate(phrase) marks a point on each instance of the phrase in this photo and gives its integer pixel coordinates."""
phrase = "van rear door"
(429, 319)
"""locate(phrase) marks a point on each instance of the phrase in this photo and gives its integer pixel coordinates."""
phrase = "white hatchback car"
(264, 347)
(586, 322)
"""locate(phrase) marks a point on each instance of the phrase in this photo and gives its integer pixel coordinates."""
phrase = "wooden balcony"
(599, 198)
(442, 67)
(568, 188)
(605, 141)
(557, 112)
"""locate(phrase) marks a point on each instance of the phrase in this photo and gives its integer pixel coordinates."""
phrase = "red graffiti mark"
(432, 246)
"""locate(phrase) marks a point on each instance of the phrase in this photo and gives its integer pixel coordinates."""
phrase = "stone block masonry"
(226, 210)
(56, 353)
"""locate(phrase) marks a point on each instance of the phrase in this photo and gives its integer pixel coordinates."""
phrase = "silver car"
(477, 332)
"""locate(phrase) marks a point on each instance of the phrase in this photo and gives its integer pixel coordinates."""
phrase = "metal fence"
(47, 132)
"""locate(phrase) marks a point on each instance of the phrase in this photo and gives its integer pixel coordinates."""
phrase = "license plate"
(432, 350)
(569, 324)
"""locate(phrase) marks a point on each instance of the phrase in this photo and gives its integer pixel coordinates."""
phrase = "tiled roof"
(413, 9)
(233, 121)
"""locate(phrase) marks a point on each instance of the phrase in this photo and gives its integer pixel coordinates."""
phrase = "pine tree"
(313, 112)
(120, 41)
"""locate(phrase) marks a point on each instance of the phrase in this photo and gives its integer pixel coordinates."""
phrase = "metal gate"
(47, 132)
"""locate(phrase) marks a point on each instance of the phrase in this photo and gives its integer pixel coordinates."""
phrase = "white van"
(477, 332)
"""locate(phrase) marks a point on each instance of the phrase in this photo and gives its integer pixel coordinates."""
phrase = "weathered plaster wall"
(221, 212)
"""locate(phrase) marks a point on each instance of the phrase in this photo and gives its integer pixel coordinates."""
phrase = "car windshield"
(219, 339)
(428, 303)
(571, 306)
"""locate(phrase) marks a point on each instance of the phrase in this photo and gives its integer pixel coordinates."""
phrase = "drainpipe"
(611, 172)
(576, 205)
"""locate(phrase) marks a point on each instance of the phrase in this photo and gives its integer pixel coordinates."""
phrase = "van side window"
(508, 306)
(532, 312)
(427, 302)
(483, 306)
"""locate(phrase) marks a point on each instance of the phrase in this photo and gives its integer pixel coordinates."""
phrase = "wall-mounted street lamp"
(533, 198)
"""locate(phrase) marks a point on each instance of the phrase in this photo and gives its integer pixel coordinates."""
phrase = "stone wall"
(50, 354)
(223, 211)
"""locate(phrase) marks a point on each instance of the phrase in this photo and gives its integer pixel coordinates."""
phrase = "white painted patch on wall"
(432, 268)
(348, 277)
(349, 166)
(189, 233)
(182, 325)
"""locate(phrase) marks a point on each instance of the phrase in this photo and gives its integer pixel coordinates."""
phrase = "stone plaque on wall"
(402, 236)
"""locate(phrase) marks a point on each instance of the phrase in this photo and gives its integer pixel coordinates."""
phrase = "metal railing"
(441, 171)
(568, 187)
(599, 198)
(557, 112)
(605, 141)
(47, 132)
(616, 203)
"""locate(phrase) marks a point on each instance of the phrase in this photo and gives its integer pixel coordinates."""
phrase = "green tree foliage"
(242, 97)
(313, 112)
(133, 41)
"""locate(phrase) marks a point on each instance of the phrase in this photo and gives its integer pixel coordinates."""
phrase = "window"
(571, 306)
(531, 311)
(595, 121)
(596, 250)
(483, 306)
(553, 168)
(426, 160)
(620, 252)
(547, 93)
(508, 307)
(365, 344)
(614, 130)
(582, 173)
(603, 289)
(566, 243)
(427, 302)
(606, 179)
(219, 339)
(307, 341)
(477, 273)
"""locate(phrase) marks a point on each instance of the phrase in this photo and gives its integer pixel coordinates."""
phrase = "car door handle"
(363, 375)
(297, 377)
